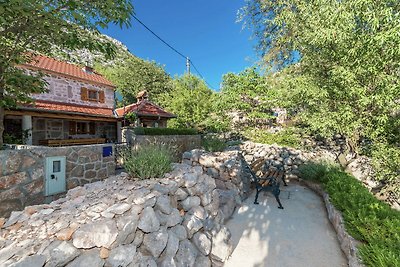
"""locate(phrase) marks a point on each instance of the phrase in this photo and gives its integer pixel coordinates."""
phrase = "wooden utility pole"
(188, 65)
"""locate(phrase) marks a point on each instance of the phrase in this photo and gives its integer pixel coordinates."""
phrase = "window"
(93, 95)
(79, 127)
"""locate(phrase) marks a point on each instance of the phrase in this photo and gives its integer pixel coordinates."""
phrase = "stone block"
(71, 183)
(102, 174)
(28, 162)
(9, 205)
(90, 174)
(12, 179)
(89, 166)
(12, 193)
(77, 171)
(13, 163)
(35, 187)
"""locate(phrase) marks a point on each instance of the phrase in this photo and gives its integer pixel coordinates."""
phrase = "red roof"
(145, 108)
(70, 108)
(66, 69)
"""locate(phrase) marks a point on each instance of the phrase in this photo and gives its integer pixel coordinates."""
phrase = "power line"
(174, 49)
(201, 76)
(158, 37)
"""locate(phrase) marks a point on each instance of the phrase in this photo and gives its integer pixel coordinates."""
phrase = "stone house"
(78, 107)
(148, 114)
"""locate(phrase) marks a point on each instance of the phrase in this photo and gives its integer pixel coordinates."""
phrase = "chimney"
(88, 69)
(142, 95)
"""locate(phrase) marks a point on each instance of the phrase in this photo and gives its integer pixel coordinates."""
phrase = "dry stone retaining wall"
(174, 221)
(291, 159)
(22, 172)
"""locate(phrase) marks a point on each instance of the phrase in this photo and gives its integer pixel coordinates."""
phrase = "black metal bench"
(268, 182)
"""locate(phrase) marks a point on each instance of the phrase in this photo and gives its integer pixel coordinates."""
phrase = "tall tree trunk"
(2, 109)
(1, 125)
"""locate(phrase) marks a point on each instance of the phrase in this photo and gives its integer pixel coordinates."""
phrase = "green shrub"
(288, 137)
(315, 171)
(164, 131)
(150, 161)
(366, 218)
(213, 144)
(10, 139)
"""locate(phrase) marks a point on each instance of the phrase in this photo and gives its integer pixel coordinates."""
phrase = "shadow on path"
(299, 235)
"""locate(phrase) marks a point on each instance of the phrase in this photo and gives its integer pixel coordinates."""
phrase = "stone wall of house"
(22, 172)
(65, 90)
(178, 220)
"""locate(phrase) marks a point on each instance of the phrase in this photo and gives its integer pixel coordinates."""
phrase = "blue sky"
(204, 30)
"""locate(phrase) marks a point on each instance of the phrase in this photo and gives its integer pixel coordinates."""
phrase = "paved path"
(300, 235)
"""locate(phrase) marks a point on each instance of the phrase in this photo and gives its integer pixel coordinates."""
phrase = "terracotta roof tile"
(60, 67)
(70, 108)
(145, 108)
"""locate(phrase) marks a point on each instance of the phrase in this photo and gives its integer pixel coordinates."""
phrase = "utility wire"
(158, 37)
(201, 76)
(170, 46)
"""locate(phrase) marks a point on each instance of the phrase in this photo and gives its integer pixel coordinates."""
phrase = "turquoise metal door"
(55, 176)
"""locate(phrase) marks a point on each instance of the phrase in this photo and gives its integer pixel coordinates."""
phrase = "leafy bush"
(288, 137)
(213, 144)
(150, 161)
(315, 171)
(11, 139)
(164, 131)
(366, 218)
(386, 162)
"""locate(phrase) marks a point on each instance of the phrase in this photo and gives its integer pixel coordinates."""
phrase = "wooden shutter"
(84, 93)
(72, 127)
(92, 128)
(101, 97)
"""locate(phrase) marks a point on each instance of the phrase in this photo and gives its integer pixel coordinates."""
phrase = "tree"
(192, 101)
(247, 93)
(132, 75)
(28, 27)
(346, 80)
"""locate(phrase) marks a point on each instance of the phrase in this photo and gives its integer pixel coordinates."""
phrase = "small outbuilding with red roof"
(147, 113)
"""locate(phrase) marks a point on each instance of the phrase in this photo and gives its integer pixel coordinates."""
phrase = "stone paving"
(299, 235)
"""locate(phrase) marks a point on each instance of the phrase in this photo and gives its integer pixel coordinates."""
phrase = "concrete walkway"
(299, 235)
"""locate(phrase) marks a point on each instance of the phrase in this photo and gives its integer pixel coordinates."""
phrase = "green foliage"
(131, 117)
(193, 102)
(317, 171)
(213, 144)
(386, 164)
(11, 139)
(150, 161)
(287, 137)
(248, 94)
(366, 218)
(164, 131)
(131, 75)
(38, 26)
(345, 81)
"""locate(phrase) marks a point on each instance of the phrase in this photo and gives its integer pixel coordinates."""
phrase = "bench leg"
(256, 199)
(284, 182)
(276, 193)
(279, 202)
